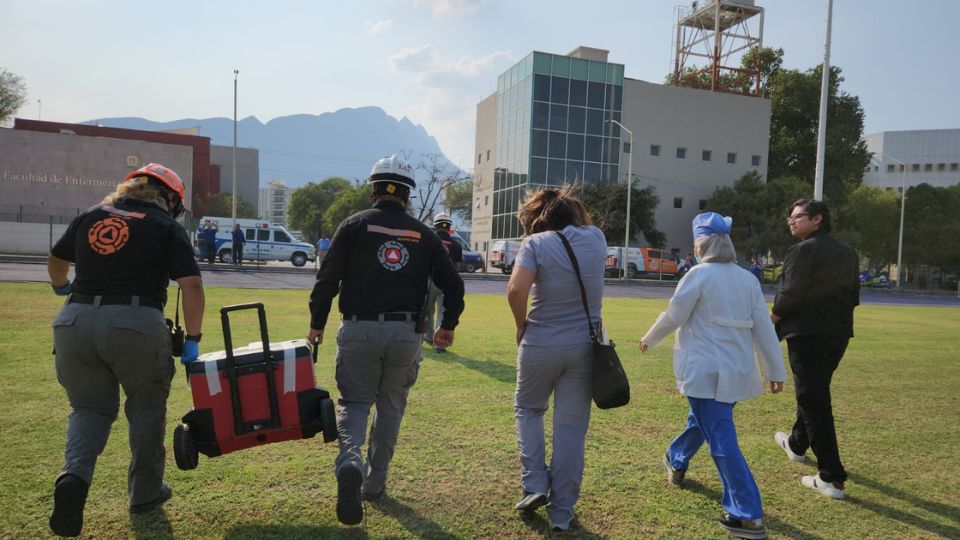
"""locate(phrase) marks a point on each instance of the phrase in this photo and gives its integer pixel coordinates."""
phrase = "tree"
(13, 94)
(758, 210)
(607, 204)
(349, 201)
(221, 204)
(930, 226)
(459, 199)
(871, 223)
(794, 117)
(309, 203)
(437, 175)
(739, 82)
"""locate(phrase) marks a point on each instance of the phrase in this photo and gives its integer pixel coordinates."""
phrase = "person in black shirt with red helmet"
(111, 333)
(380, 261)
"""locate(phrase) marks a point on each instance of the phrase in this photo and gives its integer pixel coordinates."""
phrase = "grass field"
(456, 474)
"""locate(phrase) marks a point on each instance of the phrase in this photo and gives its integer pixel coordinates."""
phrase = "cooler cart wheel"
(185, 448)
(328, 417)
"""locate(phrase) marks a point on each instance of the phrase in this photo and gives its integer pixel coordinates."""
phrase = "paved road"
(286, 277)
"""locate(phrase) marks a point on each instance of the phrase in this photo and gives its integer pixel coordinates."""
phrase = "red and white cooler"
(251, 396)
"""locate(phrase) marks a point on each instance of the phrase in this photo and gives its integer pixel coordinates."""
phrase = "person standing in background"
(238, 241)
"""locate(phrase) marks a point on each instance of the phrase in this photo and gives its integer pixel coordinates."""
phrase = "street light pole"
(903, 206)
(233, 197)
(822, 122)
(626, 239)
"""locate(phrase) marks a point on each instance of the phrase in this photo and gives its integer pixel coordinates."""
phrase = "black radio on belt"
(176, 332)
(421, 325)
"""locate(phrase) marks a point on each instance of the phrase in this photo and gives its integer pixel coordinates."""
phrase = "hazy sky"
(429, 60)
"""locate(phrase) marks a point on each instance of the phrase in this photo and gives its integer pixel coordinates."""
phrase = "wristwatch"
(195, 338)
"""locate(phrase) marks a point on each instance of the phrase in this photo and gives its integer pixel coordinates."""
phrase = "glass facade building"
(553, 128)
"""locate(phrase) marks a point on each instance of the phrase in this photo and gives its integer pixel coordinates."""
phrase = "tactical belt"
(114, 300)
(401, 316)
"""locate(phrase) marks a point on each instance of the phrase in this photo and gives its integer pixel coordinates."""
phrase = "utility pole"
(824, 95)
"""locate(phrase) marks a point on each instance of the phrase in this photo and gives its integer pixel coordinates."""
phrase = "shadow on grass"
(410, 519)
(490, 368)
(151, 525)
(949, 512)
(535, 522)
(285, 532)
(772, 523)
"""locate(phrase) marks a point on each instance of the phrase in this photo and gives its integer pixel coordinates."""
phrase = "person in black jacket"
(111, 333)
(813, 311)
(441, 225)
(381, 262)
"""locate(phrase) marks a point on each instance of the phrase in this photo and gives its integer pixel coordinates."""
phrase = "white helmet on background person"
(392, 176)
(442, 221)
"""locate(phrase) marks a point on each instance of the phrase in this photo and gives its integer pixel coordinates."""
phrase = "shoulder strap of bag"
(583, 291)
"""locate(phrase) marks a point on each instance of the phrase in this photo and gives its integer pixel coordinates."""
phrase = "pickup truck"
(641, 262)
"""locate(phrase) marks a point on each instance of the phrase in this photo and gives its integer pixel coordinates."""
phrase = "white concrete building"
(548, 124)
(275, 202)
(930, 156)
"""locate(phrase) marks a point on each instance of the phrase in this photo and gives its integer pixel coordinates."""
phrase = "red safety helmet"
(165, 175)
(167, 178)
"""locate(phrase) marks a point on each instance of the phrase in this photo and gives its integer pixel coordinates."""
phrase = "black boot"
(69, 498)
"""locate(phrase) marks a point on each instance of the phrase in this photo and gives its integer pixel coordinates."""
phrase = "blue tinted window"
(616, 98)
(556, 172)
(558, 117)
(538, 170)
(538, 142)
(593, 149)
(541, 115)
(541, 88)
(594, 122)
(577, 120)
(560, 92)
(595, 95)
(575, 147)
(578, 92)
(558, 144)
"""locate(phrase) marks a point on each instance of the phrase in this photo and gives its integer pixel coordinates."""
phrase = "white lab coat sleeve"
(684, 299)
(765, 339)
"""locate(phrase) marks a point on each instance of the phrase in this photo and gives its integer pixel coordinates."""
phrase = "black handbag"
(609, 384)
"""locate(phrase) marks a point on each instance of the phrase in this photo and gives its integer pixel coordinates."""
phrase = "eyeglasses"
(796, 217)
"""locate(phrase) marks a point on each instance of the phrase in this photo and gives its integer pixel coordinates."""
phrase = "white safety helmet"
(442, 220)
(392, 171)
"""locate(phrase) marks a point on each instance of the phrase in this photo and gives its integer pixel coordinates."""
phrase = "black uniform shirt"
(379, 261)
(452, 246)
(129, 248)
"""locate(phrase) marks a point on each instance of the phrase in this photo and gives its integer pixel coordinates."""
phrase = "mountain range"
(303, 147)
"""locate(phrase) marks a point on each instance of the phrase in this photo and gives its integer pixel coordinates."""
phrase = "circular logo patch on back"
(108, 235)
(393, 255)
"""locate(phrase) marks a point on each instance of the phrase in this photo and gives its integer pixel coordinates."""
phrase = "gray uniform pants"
(563, 371)
(435, 305)
(100, 349)
(377, 363)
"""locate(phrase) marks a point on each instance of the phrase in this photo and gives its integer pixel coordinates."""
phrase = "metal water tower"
(720, 31)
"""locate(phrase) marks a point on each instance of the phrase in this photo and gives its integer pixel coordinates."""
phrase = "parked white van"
(503, 254)
(265, 242)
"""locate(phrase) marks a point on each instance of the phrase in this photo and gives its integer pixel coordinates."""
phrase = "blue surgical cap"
(709, 223)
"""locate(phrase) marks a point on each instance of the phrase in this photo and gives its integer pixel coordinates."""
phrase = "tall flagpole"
(234, 193)
(824, 96)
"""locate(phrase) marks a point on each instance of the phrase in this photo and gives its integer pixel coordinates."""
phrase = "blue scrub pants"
(712, 421)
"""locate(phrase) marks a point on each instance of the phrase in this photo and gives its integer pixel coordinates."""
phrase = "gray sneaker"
(531, 501)
(675, 476)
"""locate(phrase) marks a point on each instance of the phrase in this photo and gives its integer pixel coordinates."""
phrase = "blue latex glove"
(64, 289)
(191, 350)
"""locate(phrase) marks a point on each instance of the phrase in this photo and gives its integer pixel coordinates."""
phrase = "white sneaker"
(782, 439)
(825, 488)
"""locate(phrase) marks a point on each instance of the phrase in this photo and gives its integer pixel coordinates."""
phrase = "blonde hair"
(552, 209)
(137, 188)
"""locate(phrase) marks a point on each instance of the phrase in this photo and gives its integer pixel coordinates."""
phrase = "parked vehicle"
(641, 262)
(504, 254)
(265, 241)
(472, 260)
(879, 281)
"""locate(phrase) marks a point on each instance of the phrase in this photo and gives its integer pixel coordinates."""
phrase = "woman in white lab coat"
(719, 313)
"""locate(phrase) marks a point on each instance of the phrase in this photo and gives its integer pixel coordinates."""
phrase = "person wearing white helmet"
(380, 263)
(111, 332)
(442, 225)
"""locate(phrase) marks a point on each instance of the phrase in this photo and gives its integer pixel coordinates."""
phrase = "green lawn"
(456, 474)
